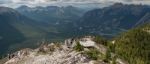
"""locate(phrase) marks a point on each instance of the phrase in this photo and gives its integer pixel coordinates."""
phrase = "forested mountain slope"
(134, 45)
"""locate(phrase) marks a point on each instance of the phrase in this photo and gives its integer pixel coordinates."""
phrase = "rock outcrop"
(56, 53)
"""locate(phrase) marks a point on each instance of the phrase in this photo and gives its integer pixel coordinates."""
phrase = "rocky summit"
(73, 51)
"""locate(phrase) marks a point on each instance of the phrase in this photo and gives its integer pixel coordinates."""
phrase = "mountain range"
(114, 19)
(27, 27)
(52, 14)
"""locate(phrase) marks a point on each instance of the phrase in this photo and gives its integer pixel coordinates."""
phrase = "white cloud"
(14, 3)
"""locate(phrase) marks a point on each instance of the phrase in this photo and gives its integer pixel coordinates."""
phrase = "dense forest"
(134, 45)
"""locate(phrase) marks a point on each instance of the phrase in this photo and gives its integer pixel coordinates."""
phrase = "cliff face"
(68, 53)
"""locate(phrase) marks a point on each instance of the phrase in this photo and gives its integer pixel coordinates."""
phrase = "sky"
(15, 3)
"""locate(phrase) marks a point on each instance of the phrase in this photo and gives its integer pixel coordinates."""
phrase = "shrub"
(114, 60)
(107, 56)
(100, 40)
(93, 54)
(78, 47)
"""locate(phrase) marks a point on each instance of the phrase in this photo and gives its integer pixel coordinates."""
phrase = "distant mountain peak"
(7, 10)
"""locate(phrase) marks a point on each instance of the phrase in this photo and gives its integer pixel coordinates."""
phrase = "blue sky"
(14, 3)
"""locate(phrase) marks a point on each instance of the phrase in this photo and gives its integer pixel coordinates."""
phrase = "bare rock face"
(59, 53)
(64, 56)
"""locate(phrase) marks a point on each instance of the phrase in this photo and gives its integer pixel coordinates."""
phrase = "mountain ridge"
(114, 19)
